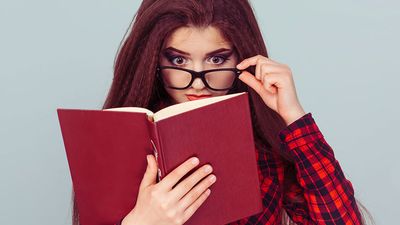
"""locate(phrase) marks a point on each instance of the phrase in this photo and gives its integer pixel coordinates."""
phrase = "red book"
(106, 152)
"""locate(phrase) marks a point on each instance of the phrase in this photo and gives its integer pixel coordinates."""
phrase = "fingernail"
(195, 161)
(147, 158)
(213, 178)
(207, 169)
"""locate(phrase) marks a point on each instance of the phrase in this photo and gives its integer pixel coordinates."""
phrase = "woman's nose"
(198, 84)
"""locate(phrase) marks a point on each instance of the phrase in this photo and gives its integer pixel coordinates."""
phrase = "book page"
(149, 113)
(190, 105)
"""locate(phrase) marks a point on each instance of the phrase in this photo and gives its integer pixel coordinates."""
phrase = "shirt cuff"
(302, 131)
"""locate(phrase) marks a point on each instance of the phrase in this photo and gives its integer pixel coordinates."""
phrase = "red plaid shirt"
(328, 195)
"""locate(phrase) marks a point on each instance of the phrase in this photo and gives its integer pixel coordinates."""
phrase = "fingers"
(179, 204)
(263, 66)
(264, 69)
(150, 176)
(271, 74)
(252, 61)
(186, 185)
(250, 80)
(173, 177)
(197, 191)
(269, 83)
(258, 71)
(193, 208)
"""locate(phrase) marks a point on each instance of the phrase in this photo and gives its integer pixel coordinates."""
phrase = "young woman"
(159, 64)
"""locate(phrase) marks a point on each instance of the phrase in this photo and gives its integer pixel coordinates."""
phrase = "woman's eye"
(177, 60)
(217, 59)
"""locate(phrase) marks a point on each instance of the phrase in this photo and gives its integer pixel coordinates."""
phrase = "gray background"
(57, 53)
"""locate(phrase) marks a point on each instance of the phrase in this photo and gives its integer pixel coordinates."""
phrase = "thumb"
(150, 176)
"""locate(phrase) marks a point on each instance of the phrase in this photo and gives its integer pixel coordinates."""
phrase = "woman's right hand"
(164, 203)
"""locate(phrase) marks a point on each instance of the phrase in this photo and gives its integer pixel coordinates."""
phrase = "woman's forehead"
(197, 40)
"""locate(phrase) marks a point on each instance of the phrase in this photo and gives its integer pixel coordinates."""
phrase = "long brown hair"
(135, 83)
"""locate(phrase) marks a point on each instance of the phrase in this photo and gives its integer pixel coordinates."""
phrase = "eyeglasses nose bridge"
(200, 75)
(196, 74)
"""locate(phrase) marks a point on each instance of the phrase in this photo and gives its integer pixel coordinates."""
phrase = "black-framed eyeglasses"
(215, 79)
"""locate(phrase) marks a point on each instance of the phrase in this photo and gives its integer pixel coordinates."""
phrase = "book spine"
(156, 144)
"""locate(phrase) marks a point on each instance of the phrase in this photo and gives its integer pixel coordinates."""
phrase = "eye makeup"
(223, 54)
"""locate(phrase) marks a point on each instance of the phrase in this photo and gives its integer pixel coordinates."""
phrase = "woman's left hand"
(274, 83)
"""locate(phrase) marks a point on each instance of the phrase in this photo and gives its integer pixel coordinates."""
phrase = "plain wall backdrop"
(57, 53)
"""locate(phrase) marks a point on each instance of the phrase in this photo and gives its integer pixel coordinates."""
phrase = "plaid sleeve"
(329, 196)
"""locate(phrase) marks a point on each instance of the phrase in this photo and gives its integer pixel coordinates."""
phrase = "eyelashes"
(223, 58)
(171, 59)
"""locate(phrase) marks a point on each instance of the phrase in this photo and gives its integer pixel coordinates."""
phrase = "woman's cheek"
(177, 95)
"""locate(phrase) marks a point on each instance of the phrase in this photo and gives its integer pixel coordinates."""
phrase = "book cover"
(107, 150)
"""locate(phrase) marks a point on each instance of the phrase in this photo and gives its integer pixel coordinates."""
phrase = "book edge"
(179, 108)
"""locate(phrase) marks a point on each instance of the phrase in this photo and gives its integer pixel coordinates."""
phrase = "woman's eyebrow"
(169, 49)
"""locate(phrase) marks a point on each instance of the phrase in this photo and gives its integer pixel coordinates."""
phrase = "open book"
(106, 152)
(175, 109)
